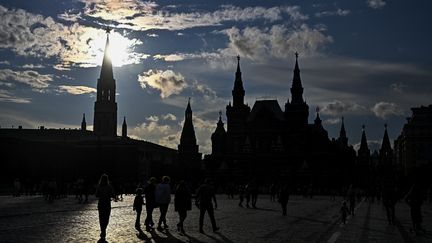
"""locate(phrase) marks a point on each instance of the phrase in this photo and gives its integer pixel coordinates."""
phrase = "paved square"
(31, 219)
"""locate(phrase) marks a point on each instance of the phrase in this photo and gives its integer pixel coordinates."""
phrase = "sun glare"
(119, 50)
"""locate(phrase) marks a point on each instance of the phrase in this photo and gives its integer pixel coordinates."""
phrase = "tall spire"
(343, 139)
(296, 88)
(106, 70)
(124, 128)
(238, 92)
(363, 144)
(83, 123)
(385, 146)
(105, 109)
(318, 121)
(188, 141)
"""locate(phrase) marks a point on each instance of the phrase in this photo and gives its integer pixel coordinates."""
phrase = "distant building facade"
(268, 143)
(413, 147)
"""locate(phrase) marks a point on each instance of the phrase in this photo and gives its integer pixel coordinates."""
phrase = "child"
(344, 211)
(137, 206)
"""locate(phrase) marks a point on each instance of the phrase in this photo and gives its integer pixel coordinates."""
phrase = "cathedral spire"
(296, 88)
(124, 128)
(106, 70)
(83, 123)
(238, 92)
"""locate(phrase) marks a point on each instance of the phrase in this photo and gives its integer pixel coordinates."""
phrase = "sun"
(119, 50)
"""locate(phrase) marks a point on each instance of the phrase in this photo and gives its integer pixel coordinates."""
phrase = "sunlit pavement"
(31, 219)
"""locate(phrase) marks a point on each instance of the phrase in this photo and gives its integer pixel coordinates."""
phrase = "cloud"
(372, 144)
(5, 62)
(137, 15)
(167, 82)
(385, 109)
(337, 108)
(28, 34)
(6, 96)
(279, 41)
(29, 77)
(70, 16)
(76, 90)
(32, 66)
(170, 117)
(332, 121)
(376, 4)
(338, 12)
(398, 87)
(152, 35)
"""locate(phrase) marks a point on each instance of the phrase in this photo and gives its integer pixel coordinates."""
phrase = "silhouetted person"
(389, 199)
(344, 212)
(104, 192)
(414, 199)
(163, 198)
(283, 199)
(273, 192)
(248, 194)
(17, 188)
(182, 204)
(137, 206)
(254, 193)
(149, 192)
(352, 199)
(241, 191)
(204, 196)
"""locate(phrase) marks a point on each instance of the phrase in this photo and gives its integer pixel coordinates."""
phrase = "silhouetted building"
(413, 147)
(364, 165)
(267, 143)
(83, 124)
(105, 108)
(189, 156)
(124, 128)
(67, 154)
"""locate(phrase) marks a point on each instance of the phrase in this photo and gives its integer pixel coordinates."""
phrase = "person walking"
(149, 193)
(389, 199)
(163, 198)
(182, 204)
(283, 199)
(204, 196)
(137, 207)
(415, 198)
(104, 192)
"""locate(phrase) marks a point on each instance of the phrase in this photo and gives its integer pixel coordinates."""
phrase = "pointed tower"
(343, 139)
(188, 143)
(237, 113)
(105, 109)
(189, 166)
(297, 111)
(364, 148)
(218, 138)
(386, 152)
(83, 123)
(124, 128)
(317, 121)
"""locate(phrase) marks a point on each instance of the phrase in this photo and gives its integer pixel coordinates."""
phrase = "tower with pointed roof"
(218, 138)
(386, 151)
(297, 110)
(237, 113)
(343, 139)
(105, 109)
(189, 156)
(124, 128)
(83, 123)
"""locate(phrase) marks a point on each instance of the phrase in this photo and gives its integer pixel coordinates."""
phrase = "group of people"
(158, 195)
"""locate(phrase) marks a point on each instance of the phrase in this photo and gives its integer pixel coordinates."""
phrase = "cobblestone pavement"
(31, 219)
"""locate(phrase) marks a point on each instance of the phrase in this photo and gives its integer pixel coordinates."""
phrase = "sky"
(368, 60)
